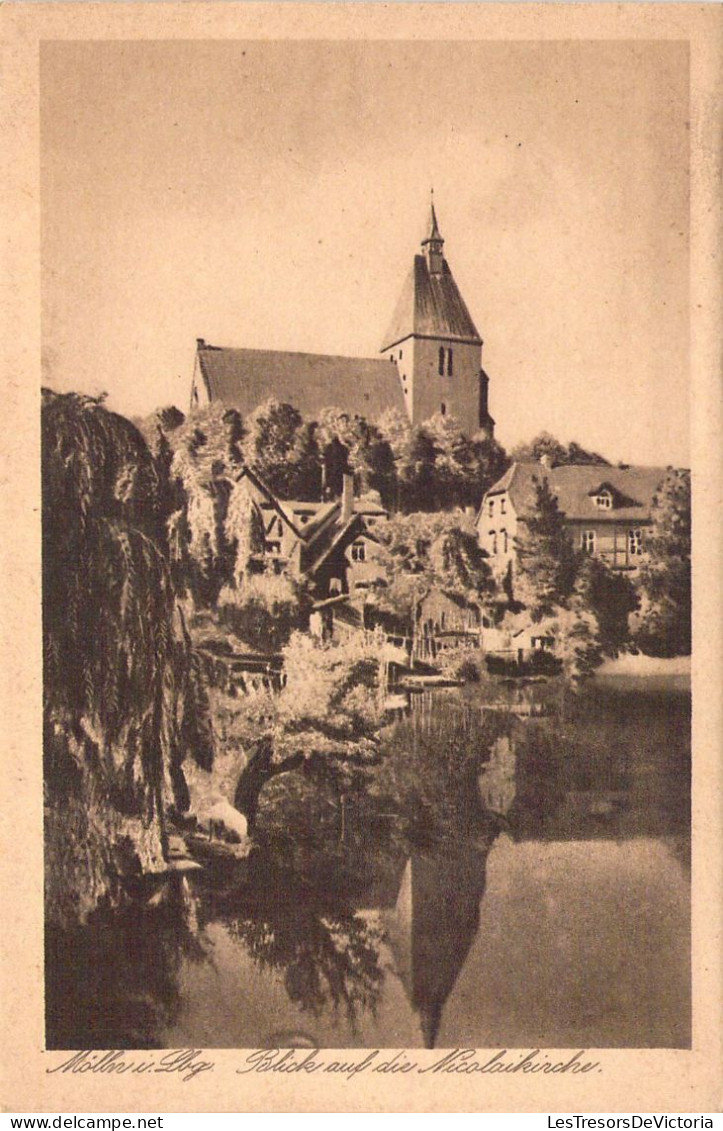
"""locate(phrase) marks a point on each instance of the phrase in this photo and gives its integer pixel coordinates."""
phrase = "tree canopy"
(546, 561)
(664, 580)
(423, 551)
(124, 701)
(545, 444)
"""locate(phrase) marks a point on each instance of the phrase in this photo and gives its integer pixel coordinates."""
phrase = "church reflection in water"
(433, 924)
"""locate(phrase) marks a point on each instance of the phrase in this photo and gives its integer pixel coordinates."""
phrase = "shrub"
(264, 610)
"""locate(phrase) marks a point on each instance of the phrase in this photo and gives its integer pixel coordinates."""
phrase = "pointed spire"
(435, 236)
(433, 246)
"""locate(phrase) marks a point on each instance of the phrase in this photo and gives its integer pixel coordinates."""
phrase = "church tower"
(435, 344)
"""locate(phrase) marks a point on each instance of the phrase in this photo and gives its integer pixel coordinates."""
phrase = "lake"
(498, 879)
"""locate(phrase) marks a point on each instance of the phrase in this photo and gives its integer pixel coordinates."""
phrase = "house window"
(273, 547)
(491, 507)
(635, 543)
(504, 541)
(449, 363)
(358, 552)
(604, 500)
(589, 541)
(503, 505)
(441, 361)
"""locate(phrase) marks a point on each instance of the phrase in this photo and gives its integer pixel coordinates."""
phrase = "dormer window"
(603, 500)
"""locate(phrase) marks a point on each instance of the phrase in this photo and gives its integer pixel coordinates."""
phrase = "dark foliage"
(123, 692)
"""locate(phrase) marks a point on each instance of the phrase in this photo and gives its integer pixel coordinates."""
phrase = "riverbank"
(652, 672)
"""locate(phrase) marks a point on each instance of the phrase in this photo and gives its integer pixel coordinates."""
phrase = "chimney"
(200, 343)
(347, 497)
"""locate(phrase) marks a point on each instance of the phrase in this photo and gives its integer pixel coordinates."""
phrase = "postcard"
(362, 621)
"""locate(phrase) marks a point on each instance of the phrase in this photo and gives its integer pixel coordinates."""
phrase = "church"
(430, 361)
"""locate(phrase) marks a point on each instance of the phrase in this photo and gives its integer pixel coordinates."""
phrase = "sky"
(272, 194)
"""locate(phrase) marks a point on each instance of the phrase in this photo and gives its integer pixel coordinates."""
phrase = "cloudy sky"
(272, 195)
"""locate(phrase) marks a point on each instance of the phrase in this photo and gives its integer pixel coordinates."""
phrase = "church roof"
(431, 306)
(245, 378)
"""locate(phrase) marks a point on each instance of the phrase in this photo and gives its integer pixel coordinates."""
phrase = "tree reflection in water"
(113, 983)
(329, 955)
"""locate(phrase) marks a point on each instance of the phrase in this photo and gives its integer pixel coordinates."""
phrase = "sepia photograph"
(361, 627)
(366, 544)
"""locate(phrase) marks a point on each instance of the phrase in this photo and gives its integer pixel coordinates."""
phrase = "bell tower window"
(441, 361)
(449, 363)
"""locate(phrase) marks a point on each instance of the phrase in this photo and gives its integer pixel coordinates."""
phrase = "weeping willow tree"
(124, 702)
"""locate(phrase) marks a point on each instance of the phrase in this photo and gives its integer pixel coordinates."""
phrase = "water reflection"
(433, 924)
(502, 879)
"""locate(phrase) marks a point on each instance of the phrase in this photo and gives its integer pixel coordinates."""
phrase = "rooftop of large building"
(577, 488)
(244, 378)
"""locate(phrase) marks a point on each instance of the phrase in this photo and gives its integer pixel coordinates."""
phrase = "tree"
(558, 453)
(244, 530)
(416, 473)
(350, 444)
(124, 703)
(575, 632)
(282, 449)
(424, 551)
(611, 597)
(546, 561)
(491, 461)
(664, 581)
(455, 470)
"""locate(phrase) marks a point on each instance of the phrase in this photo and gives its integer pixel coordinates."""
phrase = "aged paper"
(49, 43)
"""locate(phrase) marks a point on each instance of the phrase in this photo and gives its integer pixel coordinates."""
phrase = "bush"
(263, 611)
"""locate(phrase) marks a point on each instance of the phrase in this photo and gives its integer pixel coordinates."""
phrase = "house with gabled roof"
(607, 510)
(333, 545)
(430, 361)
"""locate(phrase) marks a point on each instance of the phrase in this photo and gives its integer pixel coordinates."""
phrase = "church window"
(400, 355)
(589, 541)
(493, 536)
(449, 363)
(503, 505)
(491, 507)
(504, 541)
(635, 543)
(443, 409)
(441, 361)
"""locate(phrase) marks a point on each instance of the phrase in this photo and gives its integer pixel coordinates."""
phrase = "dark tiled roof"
(244, 378)
(576, 484)
(431, 305)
